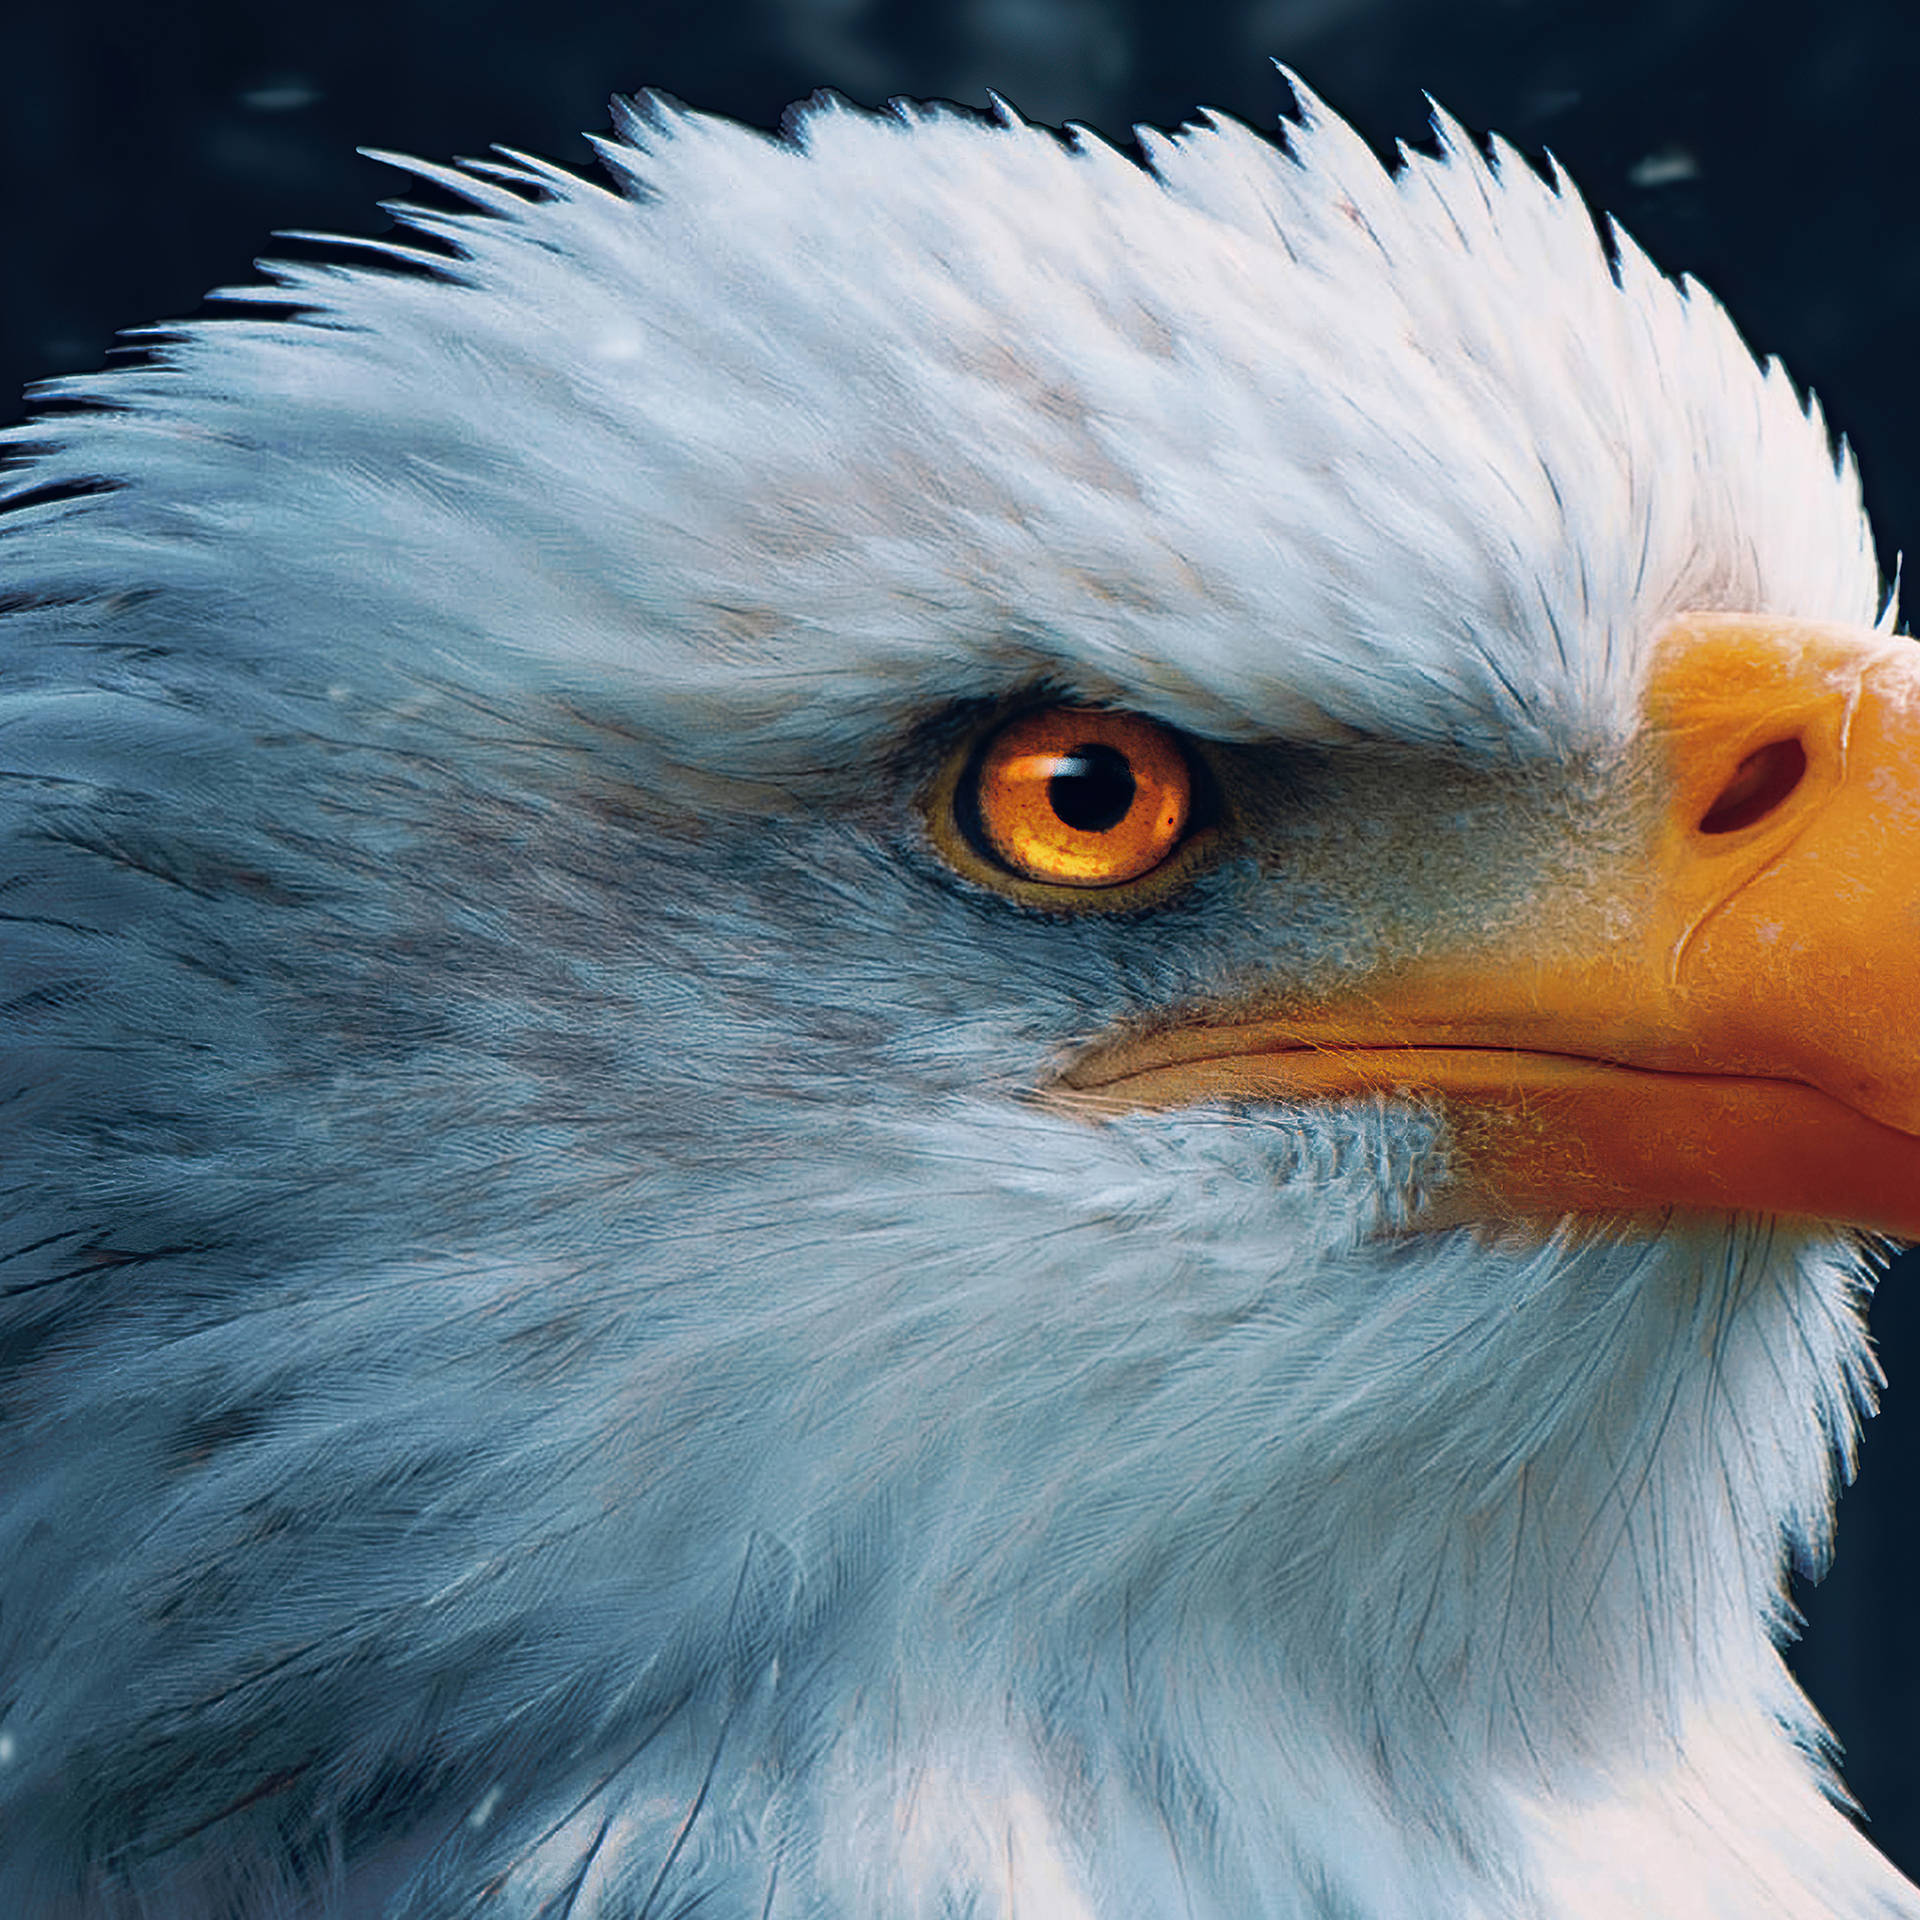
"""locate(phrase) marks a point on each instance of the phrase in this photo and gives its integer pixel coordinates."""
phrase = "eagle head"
(908, 1024)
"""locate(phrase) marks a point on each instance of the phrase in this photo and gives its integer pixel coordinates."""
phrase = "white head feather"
(552, 1352)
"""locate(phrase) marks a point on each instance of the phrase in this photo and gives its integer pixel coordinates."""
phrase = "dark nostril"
(1759, 784)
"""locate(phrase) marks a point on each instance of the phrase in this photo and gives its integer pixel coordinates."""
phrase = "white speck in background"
(1664, 167)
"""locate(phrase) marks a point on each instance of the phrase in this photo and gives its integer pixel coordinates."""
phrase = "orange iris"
(1080, 797)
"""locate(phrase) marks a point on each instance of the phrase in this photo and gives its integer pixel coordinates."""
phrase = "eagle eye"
(1077, 796)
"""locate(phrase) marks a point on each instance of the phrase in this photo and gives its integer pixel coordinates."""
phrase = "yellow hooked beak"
(1738, 1030)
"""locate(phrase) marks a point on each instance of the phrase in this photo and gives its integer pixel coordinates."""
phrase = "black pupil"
(1092, 790)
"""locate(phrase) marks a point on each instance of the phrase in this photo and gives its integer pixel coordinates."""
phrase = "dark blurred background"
(147, 151)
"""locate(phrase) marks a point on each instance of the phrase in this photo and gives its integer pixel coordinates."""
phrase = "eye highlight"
(1079, 796)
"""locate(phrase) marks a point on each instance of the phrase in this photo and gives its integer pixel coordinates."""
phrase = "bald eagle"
(912, 1025)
